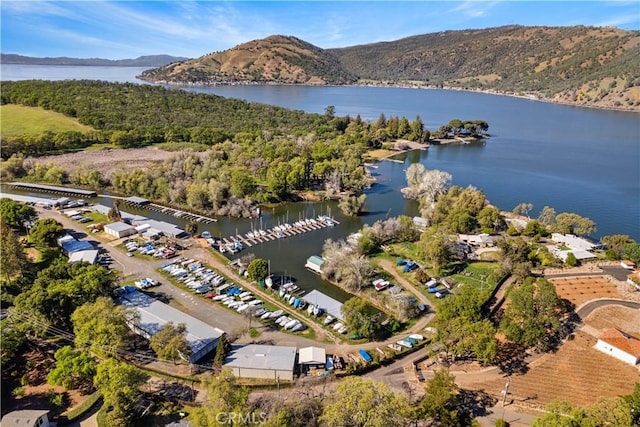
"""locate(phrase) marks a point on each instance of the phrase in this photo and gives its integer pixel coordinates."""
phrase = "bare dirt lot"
(624, 318)
(108, 160)
(577, 373)
(581, 289)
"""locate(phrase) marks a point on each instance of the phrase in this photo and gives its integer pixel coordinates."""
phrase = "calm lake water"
(573, 159)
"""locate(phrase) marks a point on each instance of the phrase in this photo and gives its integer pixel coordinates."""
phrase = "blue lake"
(580, 160)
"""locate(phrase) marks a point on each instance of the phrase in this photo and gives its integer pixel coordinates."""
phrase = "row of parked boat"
(203, 280)
(193, 275)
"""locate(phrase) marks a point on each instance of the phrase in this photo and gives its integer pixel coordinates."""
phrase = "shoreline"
(529, 97)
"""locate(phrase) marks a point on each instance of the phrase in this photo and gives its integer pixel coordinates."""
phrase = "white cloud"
(619, 21)
(473, 8)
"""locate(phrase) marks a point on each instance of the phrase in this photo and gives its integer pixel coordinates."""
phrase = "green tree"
(547, 216)
(360, 317)
(13, 260)
(571, 260)
(101, 326)
(360, 402)
(631, 251)
(191, 227)
(570, 223)
(634, 403)
(462, 330)
(616, 243)
(435, 245)
(491, 220)
(119, 383)
(169, 343)
(352, 205)
(614, 411)
(523, 209)
(440, 402)
(58, 290)
(74, 369)
(533, 313)
(15, 214)
(45, 231)
(258, 269)
(560, 414)
(534, 228)
(224, 398)
(222, 350)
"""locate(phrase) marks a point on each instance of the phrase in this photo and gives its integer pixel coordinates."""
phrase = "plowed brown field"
(577, 373)
(581, 289)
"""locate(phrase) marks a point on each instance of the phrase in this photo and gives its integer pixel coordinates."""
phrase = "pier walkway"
(234, 243)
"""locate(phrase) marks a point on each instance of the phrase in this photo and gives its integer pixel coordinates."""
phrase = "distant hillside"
(580, 65)
(276, 59)
(142, 61)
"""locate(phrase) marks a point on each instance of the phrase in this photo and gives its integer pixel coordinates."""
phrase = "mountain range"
(142, 61)
(591, 66)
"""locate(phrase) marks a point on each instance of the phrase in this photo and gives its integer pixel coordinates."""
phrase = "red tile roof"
(622, 341)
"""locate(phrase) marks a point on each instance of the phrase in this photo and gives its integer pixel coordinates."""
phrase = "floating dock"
(279, 232)
(144, 203)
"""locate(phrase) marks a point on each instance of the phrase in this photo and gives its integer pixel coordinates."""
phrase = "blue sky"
(128, 29)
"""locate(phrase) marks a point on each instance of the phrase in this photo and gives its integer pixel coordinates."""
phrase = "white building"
(314, 263)
(262, 361)
(579, 247)
(312, 358)
(90, 256)
(201, 337)
(119, 229)
(26, 418)
(620, 345)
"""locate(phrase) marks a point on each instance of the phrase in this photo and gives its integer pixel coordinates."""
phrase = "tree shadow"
(474, 403)
(511, 359)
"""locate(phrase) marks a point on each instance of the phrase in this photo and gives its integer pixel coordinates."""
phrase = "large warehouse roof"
(257, 356)
(154, 314)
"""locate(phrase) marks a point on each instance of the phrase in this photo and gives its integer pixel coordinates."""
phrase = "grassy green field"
(21, 120)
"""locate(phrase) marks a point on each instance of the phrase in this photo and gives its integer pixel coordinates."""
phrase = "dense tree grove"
(532, 316)
(58, 290)
(252, 152)
(616, 411)
(462, 328)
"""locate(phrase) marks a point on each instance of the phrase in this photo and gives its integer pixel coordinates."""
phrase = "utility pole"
(505, 392)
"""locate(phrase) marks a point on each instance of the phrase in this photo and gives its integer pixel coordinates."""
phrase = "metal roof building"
(312, 358)
(89, 256)
(325, 302)
(71, 246)
(27, 418)
(53, 189)
(119, 229)
(39, 201)
(262, 361)
(202, 338)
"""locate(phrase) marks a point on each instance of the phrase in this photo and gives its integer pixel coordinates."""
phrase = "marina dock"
(144, 203)
(255, 237)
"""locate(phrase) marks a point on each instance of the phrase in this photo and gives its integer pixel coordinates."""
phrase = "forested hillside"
(585, 65)
(593, 66)
(280, 59)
